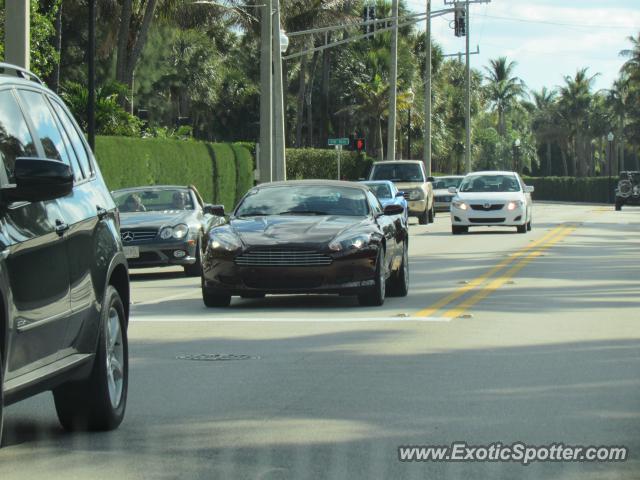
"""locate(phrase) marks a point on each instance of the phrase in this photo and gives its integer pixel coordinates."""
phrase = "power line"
(560, 24)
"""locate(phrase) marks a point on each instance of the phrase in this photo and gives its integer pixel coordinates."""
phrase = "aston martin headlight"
(180, 231)
(416, 194)
(166, 233)
(353, 242)
(513, 205)
(460, 205)
(224, 240)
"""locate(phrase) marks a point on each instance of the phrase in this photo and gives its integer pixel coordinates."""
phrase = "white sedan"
(491, 199)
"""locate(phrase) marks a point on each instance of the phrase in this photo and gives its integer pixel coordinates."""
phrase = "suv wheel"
(423, 218)
(522, 228)
(618, 206)
(1, 396)
(99, 402)
(432, 214)
(195, 270)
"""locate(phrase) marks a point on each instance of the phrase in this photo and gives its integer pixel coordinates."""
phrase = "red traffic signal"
(360, 145)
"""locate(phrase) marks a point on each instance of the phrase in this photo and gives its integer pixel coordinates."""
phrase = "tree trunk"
(549, 171)
(565, 168)
(302, 83)
(140, 41)
(380, 142)
(324, 113)
(58, 46)
(123, 40)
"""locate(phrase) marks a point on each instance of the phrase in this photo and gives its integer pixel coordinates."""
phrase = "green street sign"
(338, 141)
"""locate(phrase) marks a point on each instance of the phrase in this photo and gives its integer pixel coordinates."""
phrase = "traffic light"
(361, 145)
(460, 21)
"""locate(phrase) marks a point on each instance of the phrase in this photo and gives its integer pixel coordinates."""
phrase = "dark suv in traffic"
(64, 284)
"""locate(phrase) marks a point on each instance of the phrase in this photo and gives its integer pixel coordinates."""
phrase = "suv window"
(15, 138)
(76, 139)
(398, 172)
(45, 126)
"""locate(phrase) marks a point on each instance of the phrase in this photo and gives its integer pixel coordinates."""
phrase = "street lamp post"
(516, 154)
(610, 138)
(410, 97)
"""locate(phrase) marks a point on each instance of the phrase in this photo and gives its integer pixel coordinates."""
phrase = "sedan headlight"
(416, 194)
(178, 232)
(513, 205)
(353, 242)
(224, 240)
(460, 205)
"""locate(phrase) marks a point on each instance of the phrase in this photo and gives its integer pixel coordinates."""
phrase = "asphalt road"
(504, 337)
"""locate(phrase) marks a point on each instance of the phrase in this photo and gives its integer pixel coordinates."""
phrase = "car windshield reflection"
(153, 200)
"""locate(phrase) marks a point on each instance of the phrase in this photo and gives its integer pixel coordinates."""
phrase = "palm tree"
(545, 121)
(575, 108)
(631, 68)
(503, 89)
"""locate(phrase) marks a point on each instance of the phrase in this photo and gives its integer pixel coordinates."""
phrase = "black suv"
(628, 189)
(64, 284)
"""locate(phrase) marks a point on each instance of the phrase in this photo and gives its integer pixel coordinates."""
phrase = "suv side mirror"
(217, 210)
(400, 195)
(39, 179)
(431, 179)
(453, 190)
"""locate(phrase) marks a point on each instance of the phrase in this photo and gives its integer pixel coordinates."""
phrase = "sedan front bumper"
(349, 275)
(158, 254)
(478, 218)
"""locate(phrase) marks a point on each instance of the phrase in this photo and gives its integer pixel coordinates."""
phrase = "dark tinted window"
(398, 172)
(443, 183)
(15, 139)
(76, 140)
(45, 125)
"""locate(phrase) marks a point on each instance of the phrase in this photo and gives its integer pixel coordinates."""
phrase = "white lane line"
(164, 299)
(153, 319)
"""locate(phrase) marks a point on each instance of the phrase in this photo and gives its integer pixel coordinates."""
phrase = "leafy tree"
(503, 90)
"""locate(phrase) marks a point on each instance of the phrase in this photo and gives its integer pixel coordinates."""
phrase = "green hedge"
(308, 163)
(219, 171)
(570, 189)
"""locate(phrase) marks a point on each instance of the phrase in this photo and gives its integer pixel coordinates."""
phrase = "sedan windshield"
(153, 200)
(380, 190)
(304, 200)
(401, 172)
(443, 183)
(490, 183)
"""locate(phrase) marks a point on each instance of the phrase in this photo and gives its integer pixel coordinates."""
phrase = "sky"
(549, 39)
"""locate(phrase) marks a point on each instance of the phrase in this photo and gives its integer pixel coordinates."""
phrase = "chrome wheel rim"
(115, 358)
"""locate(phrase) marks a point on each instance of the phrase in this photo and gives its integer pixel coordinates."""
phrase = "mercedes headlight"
(178, 232)
(513, 205)
(460, 205)
(224, 240)
(353, 242)
(416, 194)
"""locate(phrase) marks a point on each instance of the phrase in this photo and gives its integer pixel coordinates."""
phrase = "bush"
(310, 163)
(224, 174)
(570, 189)
(244, 170)
(131, 162)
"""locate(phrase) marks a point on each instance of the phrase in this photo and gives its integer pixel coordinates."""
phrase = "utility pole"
(91, 101)
(265, 162)
(391, 134)
(467, 122)
(17, 33)
(279, 153)
(427, 95)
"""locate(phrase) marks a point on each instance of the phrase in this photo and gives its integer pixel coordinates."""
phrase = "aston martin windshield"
(304, 200)
(153, 200)
(489, 183)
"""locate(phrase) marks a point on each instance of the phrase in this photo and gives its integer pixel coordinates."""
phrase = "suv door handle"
(102, 212)
(61, 227)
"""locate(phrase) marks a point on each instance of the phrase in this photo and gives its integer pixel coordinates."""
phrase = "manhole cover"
(215, 357)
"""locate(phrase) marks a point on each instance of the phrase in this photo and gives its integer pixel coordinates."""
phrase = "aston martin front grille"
(283, 258)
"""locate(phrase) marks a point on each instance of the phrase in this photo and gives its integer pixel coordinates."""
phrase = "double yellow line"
(505, 270)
